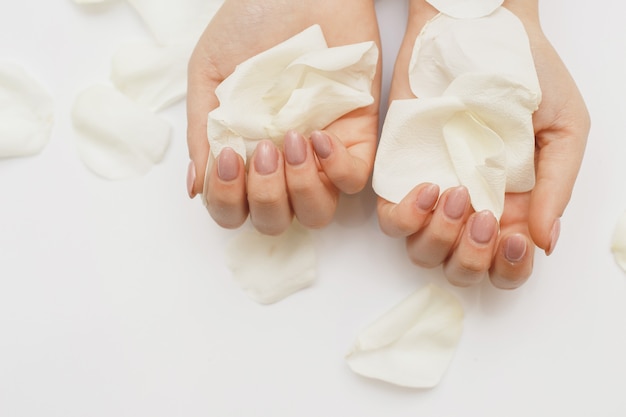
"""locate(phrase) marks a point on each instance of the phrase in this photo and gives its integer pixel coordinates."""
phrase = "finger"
(411, 214)
(267, 192)
(471, 259)
(431, 246)
(513, 262)
(312, 200)
(202, 80)
(225, 190)
(348, 170)
(558, 162)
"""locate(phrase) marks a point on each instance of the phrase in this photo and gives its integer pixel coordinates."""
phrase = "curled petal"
(299, 84)
(116, 137)
(412, 344)
(26, 113)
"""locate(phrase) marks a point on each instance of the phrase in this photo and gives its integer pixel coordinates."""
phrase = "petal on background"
(173, 21)
(26, 113)
(618, 243)
(270, 268)
(152, 75)
(116, 137)
(411, 345)
(466, 9)
(448, 48)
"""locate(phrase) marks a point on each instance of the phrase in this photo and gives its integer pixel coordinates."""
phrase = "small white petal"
(618, 244)
(173, 21)
(412, 344)
(116, 137)
(466, 9)
(270, 268)
(26, 113)
(154, 76)
(299, 84)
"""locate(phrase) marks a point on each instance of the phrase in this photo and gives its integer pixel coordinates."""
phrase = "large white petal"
(447, 48)
(116, 137)
(26, 113)
(466, 9)
(173, 21)
(411, 345)
(153, 75)
(299, 84)
(412, 149)
(618, 243)
(270, 268)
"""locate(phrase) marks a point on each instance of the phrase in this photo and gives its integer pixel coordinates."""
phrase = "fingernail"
(295, 148)
(321, 144)
(191, 179)
(427, 197)
(227, 165)
(515, 248)
(554, 236)
(483, 227)
(266, 158)
(456, 203)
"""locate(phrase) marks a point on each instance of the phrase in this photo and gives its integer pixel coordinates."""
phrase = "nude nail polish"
(321, 144)
(295, 148)
(515, 248)
(554, 236)
(191, 179)
(266, 158)
(227, 165)
(427, 197)
(483, 227)
(456, 203)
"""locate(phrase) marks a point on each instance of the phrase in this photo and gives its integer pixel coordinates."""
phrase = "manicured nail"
(227, 165)
(427, 197)
(266, 158)
(483, 227)
(515, 248)
(554, 236)
(321, 144)
(456, 203)
(295, 148)
(191, 179)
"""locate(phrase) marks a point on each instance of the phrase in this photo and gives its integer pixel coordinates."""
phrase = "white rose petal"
(618, 244)
(472, 123)
(116, 137)
(173, 21)
(154, 76)
(411, 345)
(270, 268)
(300, 84)
(466, 9)
(26, 113)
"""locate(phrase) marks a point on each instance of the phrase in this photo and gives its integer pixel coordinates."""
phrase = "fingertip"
(191, 179)
(513, 263)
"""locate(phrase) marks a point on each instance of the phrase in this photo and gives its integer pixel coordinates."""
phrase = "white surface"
(115, 300)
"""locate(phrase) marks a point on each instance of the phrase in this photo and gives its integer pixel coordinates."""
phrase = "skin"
(304, 177)
(473, 246)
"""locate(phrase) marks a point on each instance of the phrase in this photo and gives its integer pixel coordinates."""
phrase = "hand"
(303, 178)
(445, 230)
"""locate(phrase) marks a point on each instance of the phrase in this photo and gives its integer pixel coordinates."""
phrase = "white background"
(115, 300)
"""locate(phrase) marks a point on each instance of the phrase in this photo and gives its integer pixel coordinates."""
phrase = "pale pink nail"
(191, 179)
(427, 197)
(321, 144)
(227, 165)
(483, 227)
(554, 236)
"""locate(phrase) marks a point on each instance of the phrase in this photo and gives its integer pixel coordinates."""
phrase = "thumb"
(558, 162)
